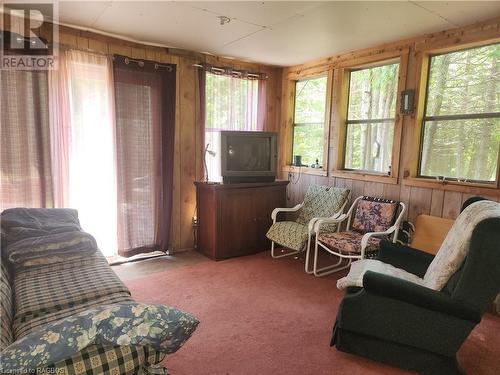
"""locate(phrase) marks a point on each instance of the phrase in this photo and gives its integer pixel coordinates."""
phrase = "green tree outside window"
(309, 120)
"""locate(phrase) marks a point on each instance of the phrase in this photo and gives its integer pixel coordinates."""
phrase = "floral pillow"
(161, 327)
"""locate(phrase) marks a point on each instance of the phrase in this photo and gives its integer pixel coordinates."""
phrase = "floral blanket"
(51, 248)
(456, 245)
(35, 236)
(20, 223)
(163, 328)
(360, 267)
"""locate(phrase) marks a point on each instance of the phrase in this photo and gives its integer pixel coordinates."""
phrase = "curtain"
(61, 146)
(25, 170)
(82, 143)
(145, 125)
(230, 103)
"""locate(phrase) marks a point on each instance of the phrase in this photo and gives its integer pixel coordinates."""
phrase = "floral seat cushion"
(374, 215)
(290, 234)
(348, 243)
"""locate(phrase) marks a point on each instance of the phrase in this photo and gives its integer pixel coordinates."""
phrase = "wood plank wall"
(188, 160)
(435, 200)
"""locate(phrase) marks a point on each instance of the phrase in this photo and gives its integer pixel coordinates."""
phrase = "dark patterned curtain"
(145, 125)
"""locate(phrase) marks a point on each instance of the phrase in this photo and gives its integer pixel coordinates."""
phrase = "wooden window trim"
(328, 104)
(305, 170)
(449, 185)
(340, 119)
(411, 175)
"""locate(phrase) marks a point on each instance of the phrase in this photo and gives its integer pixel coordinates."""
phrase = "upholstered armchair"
(369, 220)
(319, 202)
(415, 327)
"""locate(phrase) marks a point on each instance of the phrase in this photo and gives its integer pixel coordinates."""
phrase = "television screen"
(248, 154)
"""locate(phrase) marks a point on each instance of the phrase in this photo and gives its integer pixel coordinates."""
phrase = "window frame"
(426, 118)
(325, 115)
(326, 123)
(399, 56)
(412, 175)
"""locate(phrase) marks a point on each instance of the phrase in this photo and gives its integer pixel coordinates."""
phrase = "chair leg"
(323, 271)
(282, 255)
(308, 252)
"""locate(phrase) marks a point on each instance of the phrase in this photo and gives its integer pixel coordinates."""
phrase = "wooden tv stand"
(233, 219)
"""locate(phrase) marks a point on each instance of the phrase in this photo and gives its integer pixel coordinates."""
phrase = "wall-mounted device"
(407, 102)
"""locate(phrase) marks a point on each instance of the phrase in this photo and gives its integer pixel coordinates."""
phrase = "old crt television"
(248, 156)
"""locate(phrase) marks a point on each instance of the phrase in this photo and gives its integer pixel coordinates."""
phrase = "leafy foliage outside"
(372, 96)
(309, 120)
(230, 104)
(463, 83)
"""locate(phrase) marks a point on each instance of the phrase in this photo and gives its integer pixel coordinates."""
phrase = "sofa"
(49, 291)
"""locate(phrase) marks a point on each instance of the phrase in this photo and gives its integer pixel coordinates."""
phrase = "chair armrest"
(314, 220)
(405, 257)
(367, 236)
(417, 295)
(285, 209)
(328, 220)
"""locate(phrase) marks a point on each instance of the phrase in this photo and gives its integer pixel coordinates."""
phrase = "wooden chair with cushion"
(369, 220)
(320, 202)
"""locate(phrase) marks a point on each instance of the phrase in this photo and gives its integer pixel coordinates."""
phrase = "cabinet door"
(265, 201)
(237, 223)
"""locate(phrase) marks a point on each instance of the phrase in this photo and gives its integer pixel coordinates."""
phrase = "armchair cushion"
(290, 234)
(374, 215)
(348, 243)
(321, 201)
(407, 258)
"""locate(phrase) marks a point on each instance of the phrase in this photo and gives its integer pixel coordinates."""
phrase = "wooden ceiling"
(281, 33)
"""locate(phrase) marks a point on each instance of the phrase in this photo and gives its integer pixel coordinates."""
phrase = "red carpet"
(262, 316)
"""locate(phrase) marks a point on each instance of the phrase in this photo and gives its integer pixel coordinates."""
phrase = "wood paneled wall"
(439, 200)
(188, 161)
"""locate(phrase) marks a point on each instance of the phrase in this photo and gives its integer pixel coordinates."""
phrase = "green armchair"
(414, 327)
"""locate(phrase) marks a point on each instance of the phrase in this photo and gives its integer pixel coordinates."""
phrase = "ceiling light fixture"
(223, 20)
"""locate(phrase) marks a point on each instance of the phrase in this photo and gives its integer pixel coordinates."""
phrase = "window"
(91, 146)
(309, 120)
(370, 118)
(230, 104)
(461, 124)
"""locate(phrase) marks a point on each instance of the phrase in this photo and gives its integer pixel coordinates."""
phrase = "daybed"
(61, 300)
